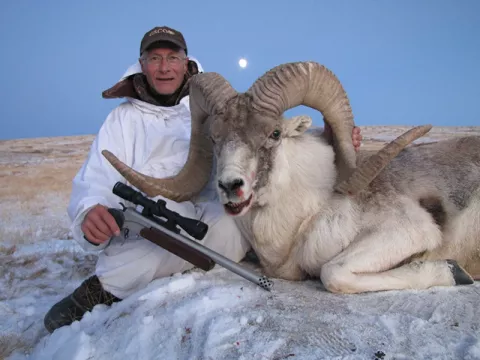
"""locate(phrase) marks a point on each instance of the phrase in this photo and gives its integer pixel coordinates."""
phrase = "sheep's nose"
(230, 186)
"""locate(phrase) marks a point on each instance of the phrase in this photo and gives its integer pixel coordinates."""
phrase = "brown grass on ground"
(29, 167)
(10, 343)
(36, 177)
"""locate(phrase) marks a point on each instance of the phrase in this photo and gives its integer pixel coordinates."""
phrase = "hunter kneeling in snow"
(150, 132)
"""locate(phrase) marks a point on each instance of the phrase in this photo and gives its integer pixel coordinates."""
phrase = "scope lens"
(124, 191)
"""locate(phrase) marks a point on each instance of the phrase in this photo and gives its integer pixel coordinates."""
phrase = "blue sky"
(402, 62)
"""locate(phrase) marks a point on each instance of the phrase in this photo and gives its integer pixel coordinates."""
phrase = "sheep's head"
(245, 145)
(244, 129)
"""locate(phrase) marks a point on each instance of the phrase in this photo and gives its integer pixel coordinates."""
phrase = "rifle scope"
(193, 227)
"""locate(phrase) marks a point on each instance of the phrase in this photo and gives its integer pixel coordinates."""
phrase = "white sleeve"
(94, 181)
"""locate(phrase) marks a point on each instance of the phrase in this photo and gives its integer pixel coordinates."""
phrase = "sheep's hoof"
(460, 276)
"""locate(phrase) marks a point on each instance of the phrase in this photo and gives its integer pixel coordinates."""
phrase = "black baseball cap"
(163, 34)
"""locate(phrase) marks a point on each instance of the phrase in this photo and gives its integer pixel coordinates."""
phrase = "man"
(149, 132)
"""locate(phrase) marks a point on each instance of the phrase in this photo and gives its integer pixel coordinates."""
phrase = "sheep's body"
(425, 205)
(279, 181)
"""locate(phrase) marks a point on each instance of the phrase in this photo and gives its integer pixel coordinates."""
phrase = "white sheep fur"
(387, 237)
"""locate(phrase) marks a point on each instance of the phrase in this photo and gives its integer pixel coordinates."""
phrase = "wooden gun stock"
(172, 245)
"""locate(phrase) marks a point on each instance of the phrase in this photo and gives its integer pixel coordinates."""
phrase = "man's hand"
(99, 225)
(356, 136)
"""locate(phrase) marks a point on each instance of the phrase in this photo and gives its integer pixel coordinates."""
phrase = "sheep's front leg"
(371, 262)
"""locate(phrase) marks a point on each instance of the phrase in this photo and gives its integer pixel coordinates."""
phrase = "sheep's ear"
(296, 125)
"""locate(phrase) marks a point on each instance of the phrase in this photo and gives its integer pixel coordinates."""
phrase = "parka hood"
(124, 87)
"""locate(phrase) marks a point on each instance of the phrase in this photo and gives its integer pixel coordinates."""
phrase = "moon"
(243, 63)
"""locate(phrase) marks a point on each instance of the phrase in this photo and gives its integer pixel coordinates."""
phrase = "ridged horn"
(208, 92)
(311, 84)
(373, 165)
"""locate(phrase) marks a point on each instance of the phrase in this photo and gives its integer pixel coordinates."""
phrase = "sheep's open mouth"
(236, 208)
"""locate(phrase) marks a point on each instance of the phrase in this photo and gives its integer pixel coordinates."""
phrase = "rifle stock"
(180, 249)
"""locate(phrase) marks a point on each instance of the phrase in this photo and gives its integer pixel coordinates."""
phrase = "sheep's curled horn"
(208, 91)
(278, 90)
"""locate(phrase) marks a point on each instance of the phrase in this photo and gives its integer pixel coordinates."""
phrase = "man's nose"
(164, 66)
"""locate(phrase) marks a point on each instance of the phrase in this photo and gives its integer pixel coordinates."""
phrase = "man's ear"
(142, 65)
(296, 125)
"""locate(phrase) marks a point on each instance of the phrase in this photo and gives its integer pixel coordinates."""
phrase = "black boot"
(75, 305)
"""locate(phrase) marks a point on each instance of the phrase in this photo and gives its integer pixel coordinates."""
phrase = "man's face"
(165, 69)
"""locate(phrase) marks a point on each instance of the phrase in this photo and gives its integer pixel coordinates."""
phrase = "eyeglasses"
(170, 59)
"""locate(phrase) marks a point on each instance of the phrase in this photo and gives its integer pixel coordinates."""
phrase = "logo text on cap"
(165, 31)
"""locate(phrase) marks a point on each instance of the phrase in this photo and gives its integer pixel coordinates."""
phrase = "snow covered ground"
(197, 315)
(219, 315)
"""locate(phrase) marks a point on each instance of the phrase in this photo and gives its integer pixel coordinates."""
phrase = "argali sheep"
(407, 217)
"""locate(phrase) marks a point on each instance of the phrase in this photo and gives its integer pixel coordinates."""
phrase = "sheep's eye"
(212, 139)
(276, 134)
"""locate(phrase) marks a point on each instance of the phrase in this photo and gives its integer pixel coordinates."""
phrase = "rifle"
(162, 226)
